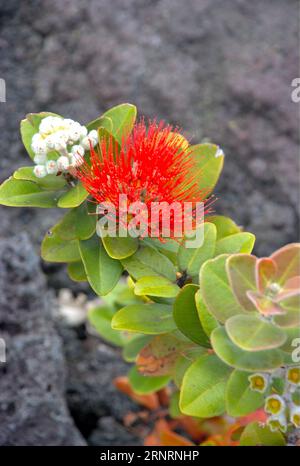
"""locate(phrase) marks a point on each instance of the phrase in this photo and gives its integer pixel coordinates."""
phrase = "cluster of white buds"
(284, 409)
(64, 136)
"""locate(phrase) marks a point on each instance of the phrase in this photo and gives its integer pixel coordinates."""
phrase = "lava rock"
(91, 394)
(221, 70)
(33, 410)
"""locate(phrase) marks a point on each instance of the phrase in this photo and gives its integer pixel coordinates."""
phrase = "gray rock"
(221, 70)
(33, 410)
(110, 433)
(91, 394)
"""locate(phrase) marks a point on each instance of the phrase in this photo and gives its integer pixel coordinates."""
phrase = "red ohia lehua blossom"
(152, 165)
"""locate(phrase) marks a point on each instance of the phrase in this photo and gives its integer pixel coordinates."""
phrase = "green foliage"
(23, 193)
(240, 399)
(143, 385)
(205, 318)
(73, 198)
(190, 260)
(100, 318)
(258, 435)
(156, 286)
(186, 316)
(102, 271)
(203, 388)
(151, 319)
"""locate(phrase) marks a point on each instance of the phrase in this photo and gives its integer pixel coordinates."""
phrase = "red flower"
(153, 164)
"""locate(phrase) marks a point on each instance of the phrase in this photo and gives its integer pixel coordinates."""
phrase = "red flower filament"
(153, 164)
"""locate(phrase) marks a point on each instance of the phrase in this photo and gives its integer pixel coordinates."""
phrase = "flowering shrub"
(216, 321)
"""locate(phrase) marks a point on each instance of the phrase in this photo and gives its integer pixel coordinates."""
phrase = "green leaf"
(51, 182)
(186, 316)
(55, 249)
(208, 322)
(191, 259)
(256, 434)
(203, 388)
(156, 286)
(150, 319)
(209, 164)
(287, 260)
(242, 278)
(122, 118)
(120, 248)
(134, 346)
(73, 198)
(100, 318)
(29, 126)
(216, 290)
(225, 226)
(168, 248)
(252, 333)
(76, 271)
(22, 193)
(147, 261)
(102, 271)
(265, 360)
(143, 384)
(240, 399)
(103, 122)
(233, 244)
(79, 223)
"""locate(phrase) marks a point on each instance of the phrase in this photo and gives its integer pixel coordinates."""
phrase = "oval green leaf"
(252, 333)
(234, 356)
(149, 319)
(203, 387)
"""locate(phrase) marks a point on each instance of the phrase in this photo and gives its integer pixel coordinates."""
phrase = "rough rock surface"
(221, 70)
(97, 407)
(33, 410)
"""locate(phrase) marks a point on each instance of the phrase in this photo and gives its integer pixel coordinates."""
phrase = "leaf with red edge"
(241, 273)
(265, 271)
(263, 304)
(287, 260)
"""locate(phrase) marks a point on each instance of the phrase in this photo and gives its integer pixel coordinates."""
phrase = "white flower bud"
(63, 163)
(40, 171)
(75, 132)
(40, 159)
(93, 135)
(48, 124)
(85, 142)
(76, 160)
(38, 144)
(83, 131)
(51, 167)
(77, 150)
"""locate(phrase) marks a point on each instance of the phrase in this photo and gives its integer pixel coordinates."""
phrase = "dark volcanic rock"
(110, 433)
(32, 381)
(91, 395)
(221, 70)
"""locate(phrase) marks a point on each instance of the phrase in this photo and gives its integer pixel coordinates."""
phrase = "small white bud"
(38, 144)
(40, 159)
(76, 160)
(48, 124)
(77, 150)
(85, 142)
(40, 171)
(63, 163)
(93, 135)
(51, 167)
(75, 132)
(83, 131)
